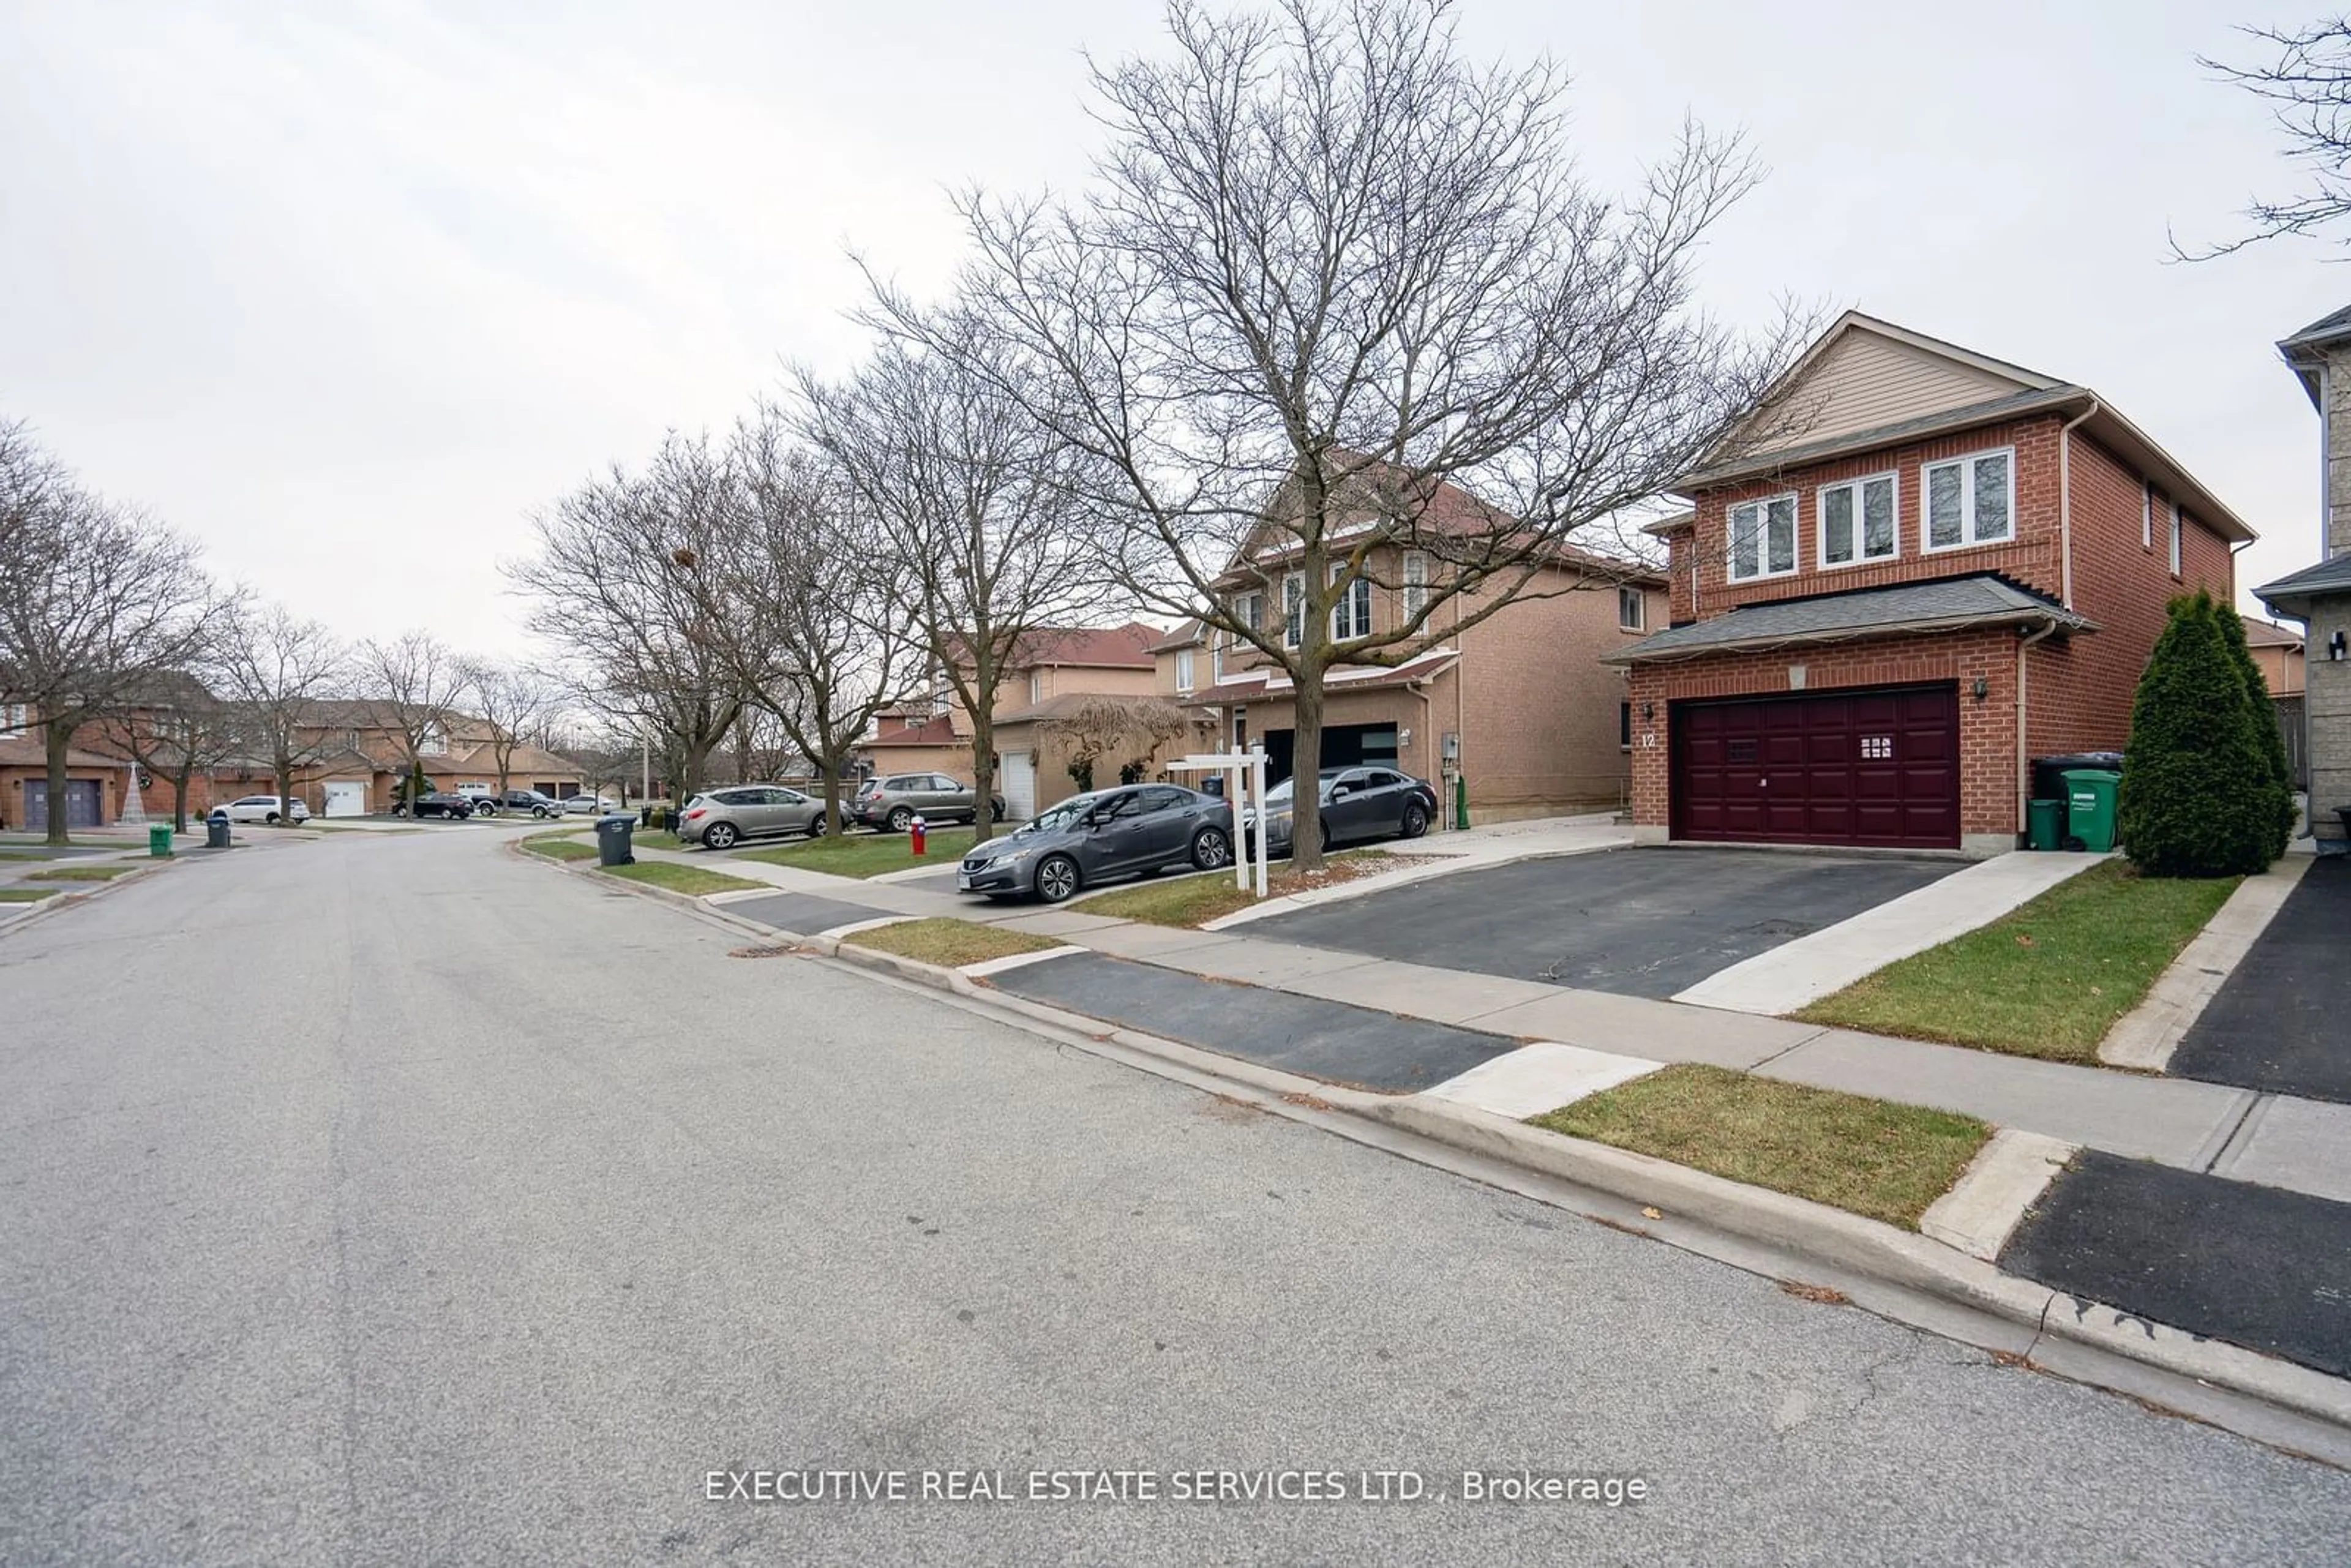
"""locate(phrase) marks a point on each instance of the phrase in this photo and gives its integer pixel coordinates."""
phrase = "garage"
(1018, 781)
(82, 796)
(1876, 768)
(346, 798)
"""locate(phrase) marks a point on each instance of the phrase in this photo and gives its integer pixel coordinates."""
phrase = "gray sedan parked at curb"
(721, 819)
(1089, 839)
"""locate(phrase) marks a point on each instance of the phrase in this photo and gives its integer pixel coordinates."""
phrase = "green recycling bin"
(2044, 824)
(158, 840)
(2090, 808)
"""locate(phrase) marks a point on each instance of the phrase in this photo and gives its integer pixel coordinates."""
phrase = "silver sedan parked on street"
(720, 818)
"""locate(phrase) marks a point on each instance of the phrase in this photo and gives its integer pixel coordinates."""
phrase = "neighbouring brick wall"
(1987, 729)
(1539, 713)
(2078, 691)
(2032, 558)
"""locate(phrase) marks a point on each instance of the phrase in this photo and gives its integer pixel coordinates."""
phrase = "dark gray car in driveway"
(1358, 803)
(1089, 839)
(893, 802)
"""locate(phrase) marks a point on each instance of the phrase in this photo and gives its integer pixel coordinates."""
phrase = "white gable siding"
(1866, 380)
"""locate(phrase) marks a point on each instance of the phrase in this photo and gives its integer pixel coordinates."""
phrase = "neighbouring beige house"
(2278, 650)
(1515, 710)
(1052, 672)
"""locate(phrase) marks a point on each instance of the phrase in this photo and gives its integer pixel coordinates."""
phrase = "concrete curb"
(2144, 1039)
(1865, 1247)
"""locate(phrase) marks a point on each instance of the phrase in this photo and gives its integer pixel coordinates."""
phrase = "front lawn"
(2048, 979)
(556, 847)
(81, 873)
(948, 942)
(27, 895)
(1873, 1157)
(686, 879)
(1211, 895)
(865, 855)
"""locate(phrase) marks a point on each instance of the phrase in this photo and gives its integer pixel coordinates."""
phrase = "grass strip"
(1873, 1157)
(80, 874)
(949, 942)
(865, 855)
(1195, 900)
(2049, 979)
(27, 895)
(686, 879)
(556, 847)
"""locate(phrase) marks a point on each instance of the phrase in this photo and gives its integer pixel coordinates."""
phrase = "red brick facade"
(2077, 690)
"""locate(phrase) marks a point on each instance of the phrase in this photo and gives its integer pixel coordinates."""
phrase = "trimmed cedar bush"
(2200, 794)
(2257, 690)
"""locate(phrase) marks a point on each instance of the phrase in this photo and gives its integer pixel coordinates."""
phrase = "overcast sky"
(347, 291)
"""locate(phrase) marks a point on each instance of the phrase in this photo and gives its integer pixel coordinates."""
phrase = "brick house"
(1051, 668)
(2319, 596)
(1518, 706)
(1941, 567)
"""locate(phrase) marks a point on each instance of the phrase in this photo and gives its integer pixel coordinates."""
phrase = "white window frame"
(2147, 517)
(1860, 521)
(1183, 671)
(1966, 463)
(1353, 607)
(1763, 506)
(14, 717)
(1416, 583)
(2176, 528)
(1293, 608)
(1036, 687)
(1639, 601)
(1216, 656)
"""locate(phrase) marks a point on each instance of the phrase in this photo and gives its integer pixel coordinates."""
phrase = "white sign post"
(1240, 768)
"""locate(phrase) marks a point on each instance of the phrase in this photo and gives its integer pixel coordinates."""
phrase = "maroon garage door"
(1878, 766)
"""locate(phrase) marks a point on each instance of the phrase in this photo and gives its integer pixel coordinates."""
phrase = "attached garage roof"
(2292, 595)
(1954, 604)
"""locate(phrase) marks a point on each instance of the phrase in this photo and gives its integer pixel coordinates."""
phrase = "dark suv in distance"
(530, 800)
(437, 803)
(893, 800)
(1088, 839)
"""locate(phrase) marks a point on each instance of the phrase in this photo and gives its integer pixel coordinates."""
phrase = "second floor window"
(15, 716)
(1762, 537)
(1184, 669)
(1970, 500)
(1036, 687)
(1351, 616)
(2175, 540)
(1293, 609)
(1630, 608)
(1858, 521)
(1415, 583)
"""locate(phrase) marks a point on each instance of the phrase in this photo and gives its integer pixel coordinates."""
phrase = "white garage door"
(346, 798)
(1019, 787)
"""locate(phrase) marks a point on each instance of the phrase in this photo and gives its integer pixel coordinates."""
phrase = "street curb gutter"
(80, 894)
(1867, 1249)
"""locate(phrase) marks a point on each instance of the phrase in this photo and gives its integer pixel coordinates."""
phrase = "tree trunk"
(180, 797)
(829, 767)
(1306, 770)
(983, 777)
(285, 782)
(57, 738)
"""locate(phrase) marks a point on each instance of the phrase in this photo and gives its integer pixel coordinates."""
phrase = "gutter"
(2024, 762)
(1852, 635)
(2065, 500)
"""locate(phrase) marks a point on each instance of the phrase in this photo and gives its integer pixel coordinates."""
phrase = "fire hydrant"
(916, 828)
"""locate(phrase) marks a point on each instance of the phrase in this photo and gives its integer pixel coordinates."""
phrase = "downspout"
(2023, 761)
(2065, 502)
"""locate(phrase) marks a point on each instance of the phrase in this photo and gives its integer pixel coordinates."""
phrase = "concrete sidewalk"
(2194, 1126)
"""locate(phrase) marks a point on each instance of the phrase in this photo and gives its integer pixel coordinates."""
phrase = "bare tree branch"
(2308, 87)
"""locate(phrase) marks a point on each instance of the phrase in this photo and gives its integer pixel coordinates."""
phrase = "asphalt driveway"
(2277, 1023)
(1638, 922)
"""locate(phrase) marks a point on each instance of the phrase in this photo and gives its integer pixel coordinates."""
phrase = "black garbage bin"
(614, 834)
(216, 829)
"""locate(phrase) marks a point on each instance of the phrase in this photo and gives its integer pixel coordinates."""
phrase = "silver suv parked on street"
(893, 801)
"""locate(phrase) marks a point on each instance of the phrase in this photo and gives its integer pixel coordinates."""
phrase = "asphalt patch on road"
(803, 913)
(2255, 1266)
(1637, 922)
(2278, 1022)
(1329, 1041)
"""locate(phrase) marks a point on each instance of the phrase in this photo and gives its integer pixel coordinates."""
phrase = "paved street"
(386, 1200)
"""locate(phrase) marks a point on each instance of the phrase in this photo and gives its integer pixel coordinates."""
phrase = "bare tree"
(986, 529)
(275, 669)
(2308, 87)
(1331, 283)
(96, 601)
(515, 701)
(799, 580)
(414, 683)
(613, 587)
(1116, 729)
(174, 729)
